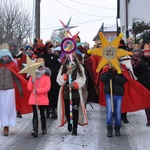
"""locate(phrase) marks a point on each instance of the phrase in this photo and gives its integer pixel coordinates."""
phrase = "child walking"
(38, 97)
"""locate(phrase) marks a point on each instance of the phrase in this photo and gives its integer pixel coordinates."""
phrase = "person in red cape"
(136, 96)
(13, 88)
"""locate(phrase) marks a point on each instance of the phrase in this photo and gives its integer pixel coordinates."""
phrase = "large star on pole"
(31, 67)
(66, 27)
(109, 52)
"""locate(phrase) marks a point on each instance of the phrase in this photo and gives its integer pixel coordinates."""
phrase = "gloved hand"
(110, 73)
(69, 72)
(21, 94)
(71, 85)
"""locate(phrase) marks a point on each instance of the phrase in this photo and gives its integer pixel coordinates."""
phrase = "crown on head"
(136, 47)
(146, 47)
(4, 46)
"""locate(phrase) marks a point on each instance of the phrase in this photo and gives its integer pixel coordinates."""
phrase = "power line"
(92, 5)
(106, 3)
(77, 10)
(78, 23)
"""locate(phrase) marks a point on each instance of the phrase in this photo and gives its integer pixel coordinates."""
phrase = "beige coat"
(60, 106)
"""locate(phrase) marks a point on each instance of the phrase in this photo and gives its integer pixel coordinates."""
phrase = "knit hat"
(6, 52)
(29, 46)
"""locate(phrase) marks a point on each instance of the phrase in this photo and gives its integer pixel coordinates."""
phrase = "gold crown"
(39, 41)
(146, 47)
(4, 46)
(136, 46)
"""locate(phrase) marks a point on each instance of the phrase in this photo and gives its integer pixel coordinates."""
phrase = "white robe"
(7, 108)
(60, 106)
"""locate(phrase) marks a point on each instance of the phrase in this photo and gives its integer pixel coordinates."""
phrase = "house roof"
(112, 28)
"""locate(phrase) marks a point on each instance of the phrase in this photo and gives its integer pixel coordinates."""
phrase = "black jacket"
(118, 81)
(142, 72)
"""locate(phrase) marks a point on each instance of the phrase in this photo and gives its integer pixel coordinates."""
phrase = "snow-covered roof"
(112, 28)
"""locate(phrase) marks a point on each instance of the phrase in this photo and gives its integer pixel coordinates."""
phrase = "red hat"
(146, 48)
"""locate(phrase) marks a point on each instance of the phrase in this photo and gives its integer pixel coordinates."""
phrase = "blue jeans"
(117, 101)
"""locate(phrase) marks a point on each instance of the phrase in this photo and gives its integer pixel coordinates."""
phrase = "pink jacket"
(42, 86)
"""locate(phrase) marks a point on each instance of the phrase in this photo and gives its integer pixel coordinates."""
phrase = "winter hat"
(48, 45)
(6, 52)
(146, 48)
(13, 44)
(29, 46)
(122, 44)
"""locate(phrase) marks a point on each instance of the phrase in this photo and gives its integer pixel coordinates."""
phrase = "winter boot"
(109, 131)
(54, 114)
(69, 127)
(5, 131)
(19, 115)
(43, 122)
(124, 118)
(35, 128)
(147, 112)
(74, 132)
(117, 130)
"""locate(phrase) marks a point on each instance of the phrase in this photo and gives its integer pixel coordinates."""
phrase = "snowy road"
(135, 135)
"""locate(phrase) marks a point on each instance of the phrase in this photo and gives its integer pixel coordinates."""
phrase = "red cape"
(21, 102)
(136, 96)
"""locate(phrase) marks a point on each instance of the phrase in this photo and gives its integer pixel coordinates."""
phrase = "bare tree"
(15, 21)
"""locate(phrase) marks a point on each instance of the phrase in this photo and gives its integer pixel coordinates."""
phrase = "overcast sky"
(87, 15)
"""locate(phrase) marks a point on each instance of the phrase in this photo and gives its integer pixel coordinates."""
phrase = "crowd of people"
(58, 96)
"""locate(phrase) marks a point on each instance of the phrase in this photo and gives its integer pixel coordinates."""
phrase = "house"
(109, 32)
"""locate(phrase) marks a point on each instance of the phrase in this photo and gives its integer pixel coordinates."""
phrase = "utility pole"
(127, 31)
(118, 18)
(37, 18)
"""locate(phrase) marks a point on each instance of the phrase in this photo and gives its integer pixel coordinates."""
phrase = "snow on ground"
(135, 135)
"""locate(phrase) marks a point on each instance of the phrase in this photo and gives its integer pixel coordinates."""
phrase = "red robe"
(21, 102)
(136, 96)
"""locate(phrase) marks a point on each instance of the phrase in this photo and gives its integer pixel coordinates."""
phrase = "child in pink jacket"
(38, 97)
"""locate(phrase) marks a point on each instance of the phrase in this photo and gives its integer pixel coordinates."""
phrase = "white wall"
(139, 9)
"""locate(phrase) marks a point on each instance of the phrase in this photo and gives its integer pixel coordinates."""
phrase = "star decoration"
(68, 44)
(66, 27)
(109, 53)
(31, 67)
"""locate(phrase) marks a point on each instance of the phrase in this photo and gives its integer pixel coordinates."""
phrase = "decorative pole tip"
(89, 51)
(130, 53)
(121, 35)
(100, 33)
(119, 71)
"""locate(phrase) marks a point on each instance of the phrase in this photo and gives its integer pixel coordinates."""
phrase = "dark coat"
(118, 81)
(51, 61)
(142, 72)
